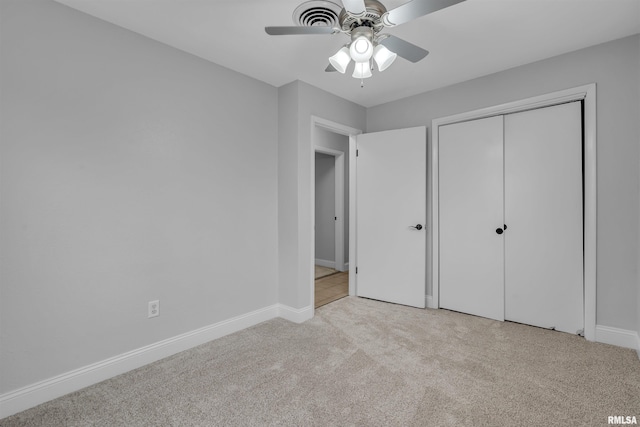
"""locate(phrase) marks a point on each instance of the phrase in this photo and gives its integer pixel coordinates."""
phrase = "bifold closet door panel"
(471, 210)
(543, 212)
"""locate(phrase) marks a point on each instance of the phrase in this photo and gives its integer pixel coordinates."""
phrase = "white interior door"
(543, 212)
(471, 211)
(391, 201)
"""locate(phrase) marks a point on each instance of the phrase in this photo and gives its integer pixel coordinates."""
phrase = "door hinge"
(357, 153)
(356, 270)
(335, 218)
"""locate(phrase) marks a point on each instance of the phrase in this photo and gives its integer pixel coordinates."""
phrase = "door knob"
(499, 230)
(417, 227)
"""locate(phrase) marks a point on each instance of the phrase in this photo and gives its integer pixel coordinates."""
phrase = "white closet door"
(471, 210)
(543, 213)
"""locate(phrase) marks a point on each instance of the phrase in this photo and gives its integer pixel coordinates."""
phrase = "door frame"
(587, 94)
(338, 224)
(339, 128)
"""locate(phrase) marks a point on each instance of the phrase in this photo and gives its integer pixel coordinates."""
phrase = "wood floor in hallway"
(331, 288)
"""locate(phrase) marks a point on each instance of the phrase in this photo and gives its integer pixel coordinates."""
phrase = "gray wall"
(325, 203)
(128, 173)
(338, 142)
(288, 257)
(297, 103)
(615, 68)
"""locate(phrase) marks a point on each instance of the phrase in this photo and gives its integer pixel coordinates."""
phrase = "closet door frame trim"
(587, 94)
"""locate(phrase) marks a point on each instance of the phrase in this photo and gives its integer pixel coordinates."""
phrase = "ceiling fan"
(363, 21)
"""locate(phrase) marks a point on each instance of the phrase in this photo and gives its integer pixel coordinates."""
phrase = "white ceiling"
(468, 40)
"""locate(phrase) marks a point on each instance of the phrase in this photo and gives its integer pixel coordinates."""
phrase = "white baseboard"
(43, 391)
(619, 337)
(325, 263)
(296, 315)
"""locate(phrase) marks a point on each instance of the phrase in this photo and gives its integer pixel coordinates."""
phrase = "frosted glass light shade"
(383, 57)
(362, 70)
(340, 60)
(361, 49)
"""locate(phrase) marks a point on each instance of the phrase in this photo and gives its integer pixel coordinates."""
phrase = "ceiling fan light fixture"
(361, 49)
(341, 60)
(362, 70)
(383, 57)
(362, 21)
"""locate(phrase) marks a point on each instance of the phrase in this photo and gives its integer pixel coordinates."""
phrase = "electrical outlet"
(153, 309)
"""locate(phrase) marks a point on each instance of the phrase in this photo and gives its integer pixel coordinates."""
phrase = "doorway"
(330, 211)
(331, 201)
(337, 140)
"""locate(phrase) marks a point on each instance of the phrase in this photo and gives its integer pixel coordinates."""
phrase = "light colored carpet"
(365, 363)
(324, 271)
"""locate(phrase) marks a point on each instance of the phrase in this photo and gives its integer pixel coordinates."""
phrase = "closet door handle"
(499, 230)
(417, 227)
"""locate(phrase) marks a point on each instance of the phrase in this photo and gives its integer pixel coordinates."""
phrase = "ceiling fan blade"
(284, 31)
(355, 7)
(415, 9)
(403, 48)
(330, 68)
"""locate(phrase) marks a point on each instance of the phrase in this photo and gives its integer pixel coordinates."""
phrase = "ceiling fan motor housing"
(372, 18)
(362, 31)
